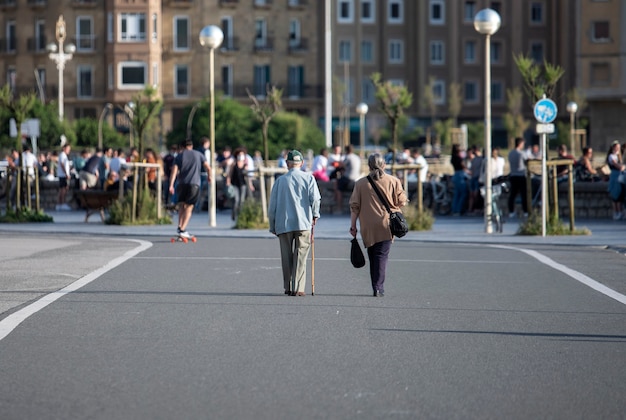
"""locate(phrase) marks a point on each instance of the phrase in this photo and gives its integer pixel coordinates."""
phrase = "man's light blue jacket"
(294, 202)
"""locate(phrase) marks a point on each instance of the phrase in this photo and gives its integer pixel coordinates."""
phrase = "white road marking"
(586, 280)
(11, 322)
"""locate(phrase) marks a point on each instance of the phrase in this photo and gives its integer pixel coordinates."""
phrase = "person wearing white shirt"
(63, 173)
(320, 165)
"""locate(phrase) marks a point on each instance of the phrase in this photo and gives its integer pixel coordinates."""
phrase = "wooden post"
(18, 189)
(420, 193)
(159, 192)
(263, 193)
(135, 181)
(555, 192)
(37, 191)
(529, 191)
(571, 196)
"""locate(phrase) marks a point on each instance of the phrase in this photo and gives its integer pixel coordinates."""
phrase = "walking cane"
(312, 261)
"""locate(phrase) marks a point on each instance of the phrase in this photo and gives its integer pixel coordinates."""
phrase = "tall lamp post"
(129, 109)
(211, 37)
(60, 56)
(487, 22)
(106, 108)
(572, 108)
(362, 109)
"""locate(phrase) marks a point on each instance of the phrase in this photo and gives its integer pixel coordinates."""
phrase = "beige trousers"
(294, 250)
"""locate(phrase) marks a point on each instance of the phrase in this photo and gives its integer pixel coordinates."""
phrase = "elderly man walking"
(293, 210)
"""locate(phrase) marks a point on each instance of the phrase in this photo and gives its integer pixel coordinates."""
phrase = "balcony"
(298, 46)
(84, 3)
(8, 46)
(37, 3)
(181, 3)
(85, 43)
(263, 44)
(229, 3)
(263, 4)
(6, 4)
(230, 44)
(36, 45)
(297, 4)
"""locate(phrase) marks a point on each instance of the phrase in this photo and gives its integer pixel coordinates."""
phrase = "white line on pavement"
(8, 324)
(586, 280)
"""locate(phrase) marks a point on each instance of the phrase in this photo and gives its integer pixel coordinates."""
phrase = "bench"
(96, 201)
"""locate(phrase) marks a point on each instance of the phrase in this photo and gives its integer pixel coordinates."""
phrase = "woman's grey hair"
(376, 163)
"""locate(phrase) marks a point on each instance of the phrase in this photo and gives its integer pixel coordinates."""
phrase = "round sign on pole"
(545, 111)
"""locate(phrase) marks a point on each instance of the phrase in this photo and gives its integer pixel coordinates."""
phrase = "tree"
(147, 106)
(18, 109)
(264, 112)
(86, 130)
(428, 101)
(393, 99)
(455, 102)
(514, 121)
(538, 79)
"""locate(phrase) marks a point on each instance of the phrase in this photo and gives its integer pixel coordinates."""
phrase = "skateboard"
(184, 240)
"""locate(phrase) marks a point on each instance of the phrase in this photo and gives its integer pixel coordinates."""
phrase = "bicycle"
(437, 194)
(496, 211)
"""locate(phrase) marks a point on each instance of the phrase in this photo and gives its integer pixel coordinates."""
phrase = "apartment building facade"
(601, 48)
(123, 45)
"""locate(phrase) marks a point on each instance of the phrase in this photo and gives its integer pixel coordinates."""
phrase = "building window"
(261, 80)
(181, 87)
(469, 56)
(600, 31)
(227, 30)
(469, 11)
(12, 79)
(367, 52)
(536, 52)
(181, 34)
(368, 91)
(345, 11)
(260, 37)
(497, 7)
(395, 11)
(227, 80)
(154, 27)
(600, 74)
(294, 33)
(470, 92)
(439, 92)
(437, 12)
(396, 51)
(496, 52)
(85, 81)
(11, 37)
(132, 75)
(536, 13)
(295, 82)
(40, 35)
(497, 92)
(437, 53)
(132, 27)
(84, 33)
(367, 11)
(345, 51)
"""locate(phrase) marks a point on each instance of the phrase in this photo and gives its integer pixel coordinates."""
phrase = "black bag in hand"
(356, 254)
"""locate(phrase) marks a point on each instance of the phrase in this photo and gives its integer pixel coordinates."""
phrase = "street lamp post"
(362, 109)
(487, 22)
(211, 37)
(129, 109)
(60, 56)
(572, 108)
(107, 107)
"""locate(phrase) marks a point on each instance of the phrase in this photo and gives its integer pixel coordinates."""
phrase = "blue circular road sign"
(545, 111)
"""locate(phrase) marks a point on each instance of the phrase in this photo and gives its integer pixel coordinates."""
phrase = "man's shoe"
(288, 292)
(379, 293)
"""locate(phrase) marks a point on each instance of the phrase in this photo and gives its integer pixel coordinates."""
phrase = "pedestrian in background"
(517, 177)
(240, 180)
(293, 210)
(616, 189)
(367, 208)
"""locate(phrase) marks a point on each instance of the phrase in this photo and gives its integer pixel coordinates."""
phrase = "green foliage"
(418, 220)
(18, 108)
(251, 216)
(476, 134)
(25, 215)
(554, 226)
(147, 107)
(538, 79)
(514, 121)
(265, 112)
(455, 101)
(392, 100)
(120, 212)
(86, 130)
(443, 130)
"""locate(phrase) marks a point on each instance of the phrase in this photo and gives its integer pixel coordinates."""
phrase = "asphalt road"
(204, 331)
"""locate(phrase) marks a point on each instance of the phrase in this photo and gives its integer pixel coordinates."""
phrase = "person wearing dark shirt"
(88, 176)
(459, 180)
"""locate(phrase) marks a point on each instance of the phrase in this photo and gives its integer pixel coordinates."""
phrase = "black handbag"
(356, 254)
(397, 222)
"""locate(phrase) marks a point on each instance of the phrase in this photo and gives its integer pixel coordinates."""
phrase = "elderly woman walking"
(373, 217)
